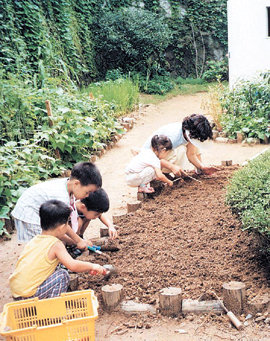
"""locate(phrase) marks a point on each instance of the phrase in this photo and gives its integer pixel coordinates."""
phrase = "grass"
(123, 94)
(184, 89)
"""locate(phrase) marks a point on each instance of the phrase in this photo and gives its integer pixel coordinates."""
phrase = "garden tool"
(234, 320)
(96, 249)
(111, 270)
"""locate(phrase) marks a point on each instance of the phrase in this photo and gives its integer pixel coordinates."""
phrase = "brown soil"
(186, 237)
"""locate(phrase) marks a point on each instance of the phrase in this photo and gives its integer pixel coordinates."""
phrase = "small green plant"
(248, 194)
(216, 70)
(122, 94)
(247, 108)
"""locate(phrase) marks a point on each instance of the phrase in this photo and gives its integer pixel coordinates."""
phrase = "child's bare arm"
(160, 176)
(112, 231)
(176, 170)
(81, 243)
(59, 251)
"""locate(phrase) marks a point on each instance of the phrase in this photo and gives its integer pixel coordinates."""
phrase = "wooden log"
(133, 206)
(104, 231)
(112, 296)
(118, 217)
(215, 134)
(200, 307)
(170, 301)
(141, 196)
(73, 282)
(239, 137)
(234, 296)
(49, 113)
(226, 163)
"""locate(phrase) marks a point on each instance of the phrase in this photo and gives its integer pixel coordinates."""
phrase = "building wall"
(249, 44)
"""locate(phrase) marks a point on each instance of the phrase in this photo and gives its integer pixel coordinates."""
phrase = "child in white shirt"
(146, 166)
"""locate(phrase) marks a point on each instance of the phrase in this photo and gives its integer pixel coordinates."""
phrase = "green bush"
(122, 93)
(193, 81)
(248, 194)
(130, 39)
(157, 85)
(247, 108)
(216, 70)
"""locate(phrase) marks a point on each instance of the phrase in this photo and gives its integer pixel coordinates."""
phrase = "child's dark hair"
(97, 201)
(87, 173)
(198, 127)
(159, 142)
(53, 213)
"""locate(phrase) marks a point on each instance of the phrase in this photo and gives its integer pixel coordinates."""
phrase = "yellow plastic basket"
(70, 317)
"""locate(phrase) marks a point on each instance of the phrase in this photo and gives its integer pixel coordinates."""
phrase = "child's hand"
(83, 244)
(170, 183)
(97, 270)
(112, 232)
(209, 170)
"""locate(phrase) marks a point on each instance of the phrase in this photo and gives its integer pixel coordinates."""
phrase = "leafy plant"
(247, 108)
(249, 196)
(216, 70)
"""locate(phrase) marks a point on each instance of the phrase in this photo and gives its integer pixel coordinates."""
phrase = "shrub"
(157, 85)
(216, 70)
(130, 39)
(248, 194)
(247, 108)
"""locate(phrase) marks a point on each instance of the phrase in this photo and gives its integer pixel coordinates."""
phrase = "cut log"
(234, 296)
(118, 217)
(200, 307)
(112, 296)
(133, 206)
(141, 196)
(104, 231)
(240, 137)
(73, 282)
(170, 301)
(226, 163)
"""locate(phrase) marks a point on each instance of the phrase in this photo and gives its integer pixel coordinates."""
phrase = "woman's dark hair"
(198, 127)
(87, 173)
(97, 201)
(159, 142)
(53, 213)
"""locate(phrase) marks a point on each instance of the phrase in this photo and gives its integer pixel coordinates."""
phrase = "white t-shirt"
(146, 158)
(173, 131)
(27, 207)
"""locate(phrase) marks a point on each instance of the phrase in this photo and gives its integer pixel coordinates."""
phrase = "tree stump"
(240, 137)
(226, 163)
(133, 206)
(112, 296)
(234, 296)
(170, 301)
(104, 231)
(141, 196)
(117, 218)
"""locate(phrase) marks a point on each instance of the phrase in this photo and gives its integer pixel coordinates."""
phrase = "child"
(37, 273)
(85, 178)
(93, 207)
(146, 166)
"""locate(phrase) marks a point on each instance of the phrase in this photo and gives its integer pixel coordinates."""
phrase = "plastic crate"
(70, 317)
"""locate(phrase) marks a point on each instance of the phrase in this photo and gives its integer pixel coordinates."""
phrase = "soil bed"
(185, 237)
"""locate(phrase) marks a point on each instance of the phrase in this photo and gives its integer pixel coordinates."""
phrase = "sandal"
(146, 189)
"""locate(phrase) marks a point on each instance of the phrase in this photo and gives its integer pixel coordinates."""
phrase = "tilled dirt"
(185, 237)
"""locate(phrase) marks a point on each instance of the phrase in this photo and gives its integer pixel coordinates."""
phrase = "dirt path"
(112, 165)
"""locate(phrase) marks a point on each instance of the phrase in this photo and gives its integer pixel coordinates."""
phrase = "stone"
(222, 139)
(133, 307)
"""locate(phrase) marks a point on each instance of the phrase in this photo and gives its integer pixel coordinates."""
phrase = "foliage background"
(249, 196)
(82, 39)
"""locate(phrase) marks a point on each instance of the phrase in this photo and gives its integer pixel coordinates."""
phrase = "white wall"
(249, 44)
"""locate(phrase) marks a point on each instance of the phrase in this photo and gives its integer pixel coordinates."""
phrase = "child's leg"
(141, 179)
(26, 231)
(54, 285)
